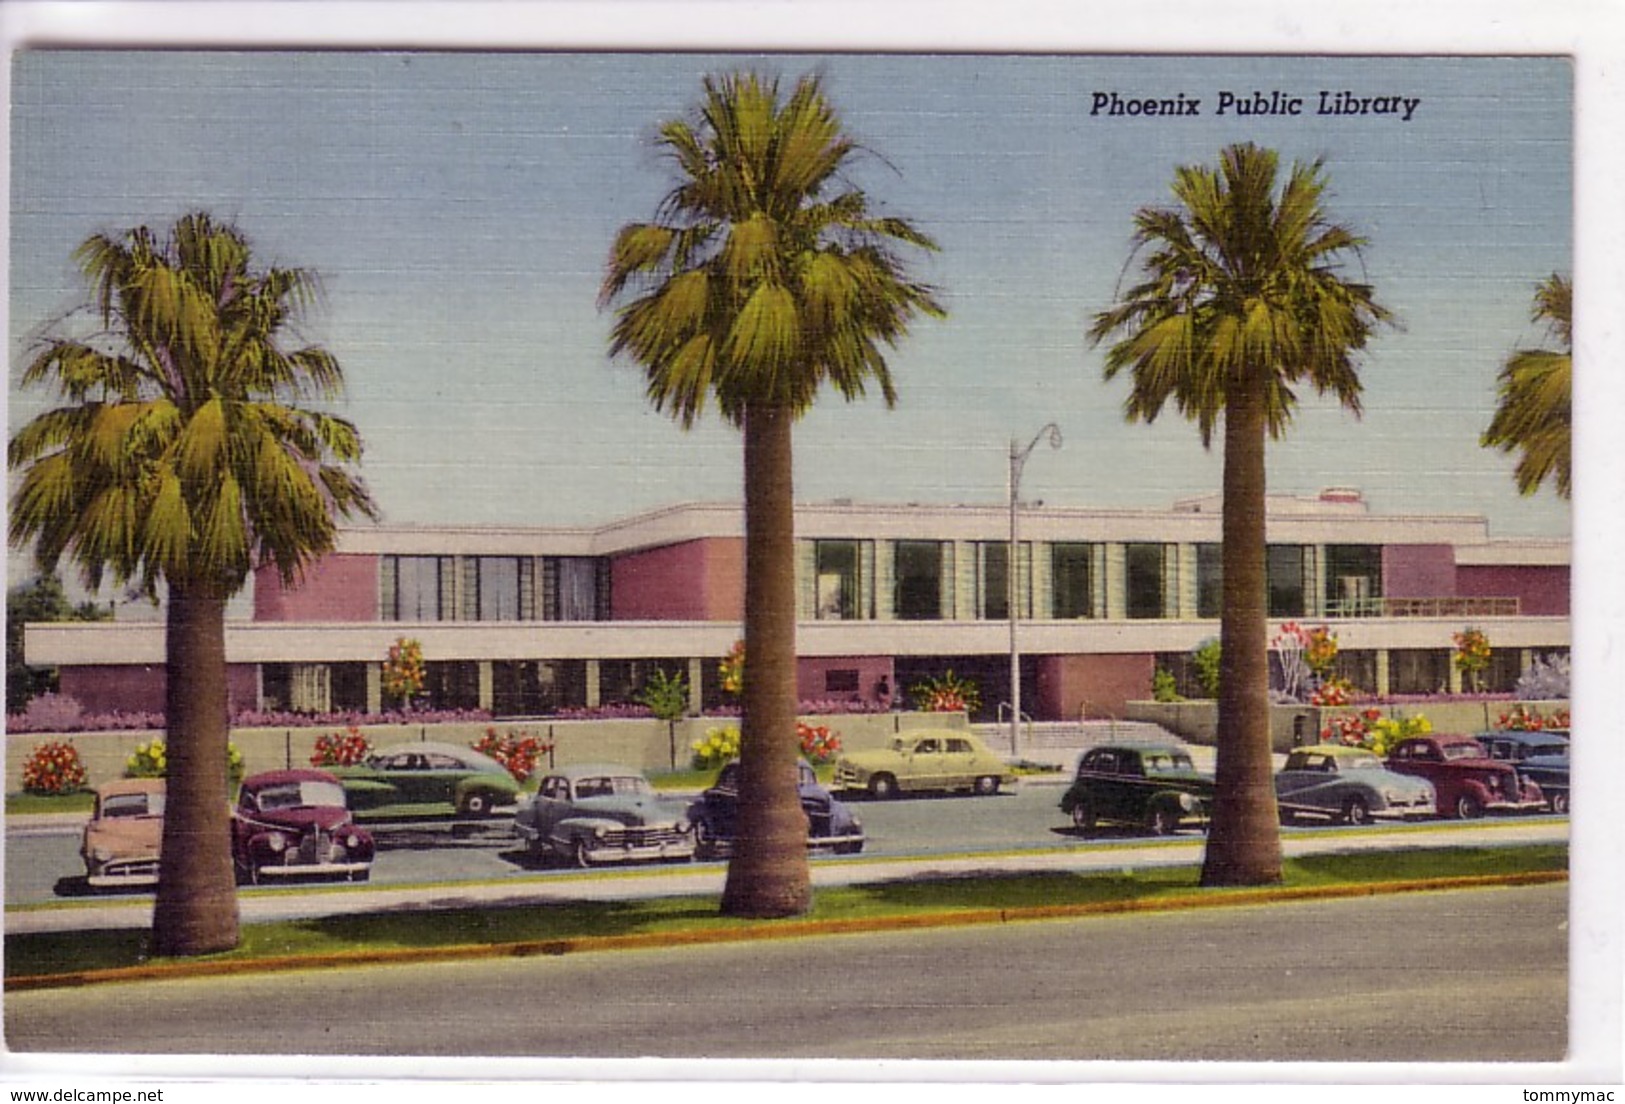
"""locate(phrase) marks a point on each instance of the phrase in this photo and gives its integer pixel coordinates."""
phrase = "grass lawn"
(81, 802)
(36, 954)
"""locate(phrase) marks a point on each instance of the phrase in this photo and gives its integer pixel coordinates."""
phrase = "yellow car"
(921, 760)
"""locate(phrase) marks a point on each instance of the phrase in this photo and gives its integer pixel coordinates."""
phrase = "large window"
(1353, 579)
(413, 588)
(1071, 581)
(1143, 584)
(575, 590)
(1209, 580)
(1418, 670)
(919, 567)
(1285, 569)
(838, 568)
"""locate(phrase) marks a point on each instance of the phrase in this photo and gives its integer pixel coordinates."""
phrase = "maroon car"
(294, 824)
(1467, 782)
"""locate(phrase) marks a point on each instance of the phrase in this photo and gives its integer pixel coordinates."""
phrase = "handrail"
(1003, 715)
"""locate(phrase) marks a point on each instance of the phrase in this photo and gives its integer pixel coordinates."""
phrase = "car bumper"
(1516, 806)
(312, 870)
(1406, 812)
(133, 874)
(651, 852)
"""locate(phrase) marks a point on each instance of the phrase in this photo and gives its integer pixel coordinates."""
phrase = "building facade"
(526, 622)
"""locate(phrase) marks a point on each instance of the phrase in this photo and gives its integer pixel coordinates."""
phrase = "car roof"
(468, 755)
(1522, 736)
(1162, 749)
(594, 770)
(130, 786)
(939, 733)
(278, 777)
(1334, 749)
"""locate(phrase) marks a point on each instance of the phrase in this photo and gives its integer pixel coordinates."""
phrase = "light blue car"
(1350, 785)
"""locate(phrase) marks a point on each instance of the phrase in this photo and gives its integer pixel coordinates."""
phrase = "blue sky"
(459, 208)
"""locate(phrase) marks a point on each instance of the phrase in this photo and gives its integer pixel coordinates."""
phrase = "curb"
(785, 929)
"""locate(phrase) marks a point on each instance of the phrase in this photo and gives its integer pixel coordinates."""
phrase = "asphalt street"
(1476, 975)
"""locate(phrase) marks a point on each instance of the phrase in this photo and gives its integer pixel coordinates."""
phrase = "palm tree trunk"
(768, 874)
(1244, 841)
(196, 907)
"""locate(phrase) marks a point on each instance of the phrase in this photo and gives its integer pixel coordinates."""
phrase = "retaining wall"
(640, 742)
(1197, 721)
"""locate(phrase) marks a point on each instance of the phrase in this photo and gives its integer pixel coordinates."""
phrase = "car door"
(551, 804)
(1106, 784)
(959, 763)
(925, 770)
(1303, 780)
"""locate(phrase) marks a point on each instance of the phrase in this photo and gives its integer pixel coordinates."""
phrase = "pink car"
(120, 846)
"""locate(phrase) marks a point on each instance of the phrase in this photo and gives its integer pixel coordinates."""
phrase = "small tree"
(404, 672)
(667, 698)
(1207, 657)
(1472, 656)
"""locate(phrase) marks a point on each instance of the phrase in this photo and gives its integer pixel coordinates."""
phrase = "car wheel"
(581, 854)
(361, 875)
(477, 803)
(987, 785)
(849, 848)
(1468, 808)
(883, 786)
(1560, 802)
(1164, 822)
(1356, 812)
(1083, 816)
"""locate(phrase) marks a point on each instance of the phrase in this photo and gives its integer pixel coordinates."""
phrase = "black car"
(1153, 786)
(1540, 757)
(830, 824)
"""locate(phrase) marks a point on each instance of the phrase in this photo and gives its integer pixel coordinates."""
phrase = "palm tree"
(182, 457)
(1533, 415)
(1241, 300)
(761, 278)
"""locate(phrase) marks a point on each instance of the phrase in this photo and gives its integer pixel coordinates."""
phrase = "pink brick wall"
(334, 588)
(1103, 683)
(1541, 591)
(812, 678)
(1418, 571)
(700, 580)
(140, 688)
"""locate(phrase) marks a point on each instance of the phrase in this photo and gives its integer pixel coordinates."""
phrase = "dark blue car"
(1540, 757)
(830, 824)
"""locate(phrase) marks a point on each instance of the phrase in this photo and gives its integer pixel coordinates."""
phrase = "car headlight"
(600, 832)
(352, 840)
(682, 825)
(1187, 802)
(101, 854)
(276, 842)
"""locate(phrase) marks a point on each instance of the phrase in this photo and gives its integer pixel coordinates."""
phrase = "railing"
(1423, 607)
(1003, 716)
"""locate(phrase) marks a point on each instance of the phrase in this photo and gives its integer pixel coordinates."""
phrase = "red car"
(294, 824)
(1468, 782)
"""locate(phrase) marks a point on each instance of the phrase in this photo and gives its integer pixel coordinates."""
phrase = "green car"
(924, 759)
(426, 781)
(1153, 786)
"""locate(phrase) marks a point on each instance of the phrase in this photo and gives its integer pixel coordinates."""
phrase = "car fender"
(476, 784)
(1479, 789)
(1171, 799)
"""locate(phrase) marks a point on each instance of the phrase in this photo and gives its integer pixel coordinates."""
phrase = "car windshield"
(133, 805)
(620, 785)
(294, 795)
(1465, 750)
(1163, 763)
(1360, 762)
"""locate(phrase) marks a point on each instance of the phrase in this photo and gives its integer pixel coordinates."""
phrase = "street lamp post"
(1018, 461)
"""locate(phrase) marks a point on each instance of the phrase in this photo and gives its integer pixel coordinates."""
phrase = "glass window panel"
(919, 580)
(1073, 594)
(836, 566)
(417, 588)
(1143, 585)
(577, 588)
(498, 588)
(1284, 570)
(1209, 580)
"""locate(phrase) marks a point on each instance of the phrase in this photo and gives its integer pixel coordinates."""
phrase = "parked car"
(603, 813)
(1348, 784)
(1539, 757)
(1154, 786)
(1466, 782)
(831, 825)
(121, 840)
(294, 824)
(924, 759)
(427, 780)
